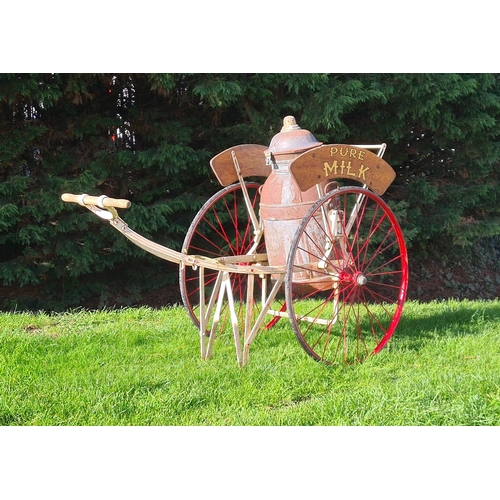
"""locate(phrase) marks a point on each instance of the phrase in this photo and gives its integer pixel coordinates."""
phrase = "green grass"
(143, 367)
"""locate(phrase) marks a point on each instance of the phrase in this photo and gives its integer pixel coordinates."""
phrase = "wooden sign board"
(342, 161)
(251, 160)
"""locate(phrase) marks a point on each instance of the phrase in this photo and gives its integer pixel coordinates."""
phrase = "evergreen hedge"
(149, 138)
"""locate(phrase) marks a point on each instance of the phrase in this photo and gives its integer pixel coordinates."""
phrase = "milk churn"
(283, 205)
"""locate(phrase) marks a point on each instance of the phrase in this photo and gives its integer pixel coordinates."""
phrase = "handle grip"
(100, 201)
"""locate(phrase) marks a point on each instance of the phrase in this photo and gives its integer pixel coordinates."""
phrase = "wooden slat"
(250, 158)
(342, 161)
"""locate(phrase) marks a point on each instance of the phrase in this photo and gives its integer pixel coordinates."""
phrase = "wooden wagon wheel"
(347, 276)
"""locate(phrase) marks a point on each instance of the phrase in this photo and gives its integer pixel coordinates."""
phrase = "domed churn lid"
(291, 139)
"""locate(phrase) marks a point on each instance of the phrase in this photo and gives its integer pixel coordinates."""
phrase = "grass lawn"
(142, 367)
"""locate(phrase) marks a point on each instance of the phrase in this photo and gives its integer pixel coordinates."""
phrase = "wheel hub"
(361, 279)
(357, 277)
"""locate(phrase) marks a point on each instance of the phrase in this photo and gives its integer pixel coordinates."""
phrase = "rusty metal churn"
(283, 205)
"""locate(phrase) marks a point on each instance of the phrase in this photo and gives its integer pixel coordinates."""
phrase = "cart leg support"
(223, 291)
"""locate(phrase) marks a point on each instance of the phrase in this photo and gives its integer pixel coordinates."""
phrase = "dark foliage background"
(149, 138)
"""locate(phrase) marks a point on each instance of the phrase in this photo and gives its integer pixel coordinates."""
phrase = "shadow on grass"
(446, 319)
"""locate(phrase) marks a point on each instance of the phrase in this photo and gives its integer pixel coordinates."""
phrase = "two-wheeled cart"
(314, 243)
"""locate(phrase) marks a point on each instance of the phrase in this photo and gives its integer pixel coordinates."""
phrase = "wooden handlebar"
(100, 201)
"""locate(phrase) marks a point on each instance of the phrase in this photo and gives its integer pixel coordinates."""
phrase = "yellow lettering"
(328, 169)
(349, 170)
(350, 152)
(362, 170)
(344, 169)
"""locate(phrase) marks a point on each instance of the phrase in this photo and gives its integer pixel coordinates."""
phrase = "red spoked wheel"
(347, 276)
(222, 228)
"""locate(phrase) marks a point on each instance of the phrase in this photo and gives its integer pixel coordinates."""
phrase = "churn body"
(283, 206)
